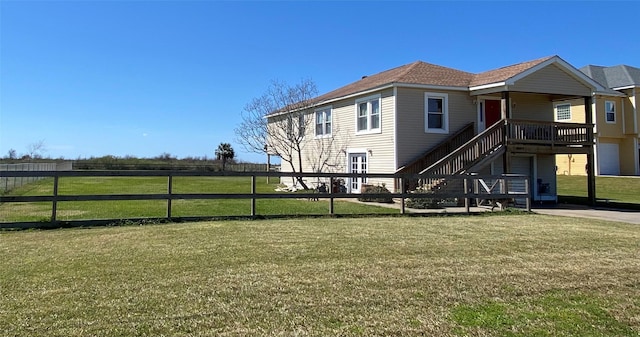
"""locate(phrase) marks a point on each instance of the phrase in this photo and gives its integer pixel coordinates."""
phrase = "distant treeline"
(159, 163)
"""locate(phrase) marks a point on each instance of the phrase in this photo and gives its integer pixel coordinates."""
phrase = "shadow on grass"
(565, 199)
(45, 225)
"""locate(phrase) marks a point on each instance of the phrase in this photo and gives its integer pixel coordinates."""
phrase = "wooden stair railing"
(436, 153)
(486, 144)
(478, 147)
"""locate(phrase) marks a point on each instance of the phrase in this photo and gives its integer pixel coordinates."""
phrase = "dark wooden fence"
(463, 187)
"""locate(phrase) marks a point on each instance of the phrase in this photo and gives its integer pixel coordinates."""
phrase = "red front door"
(491, 112)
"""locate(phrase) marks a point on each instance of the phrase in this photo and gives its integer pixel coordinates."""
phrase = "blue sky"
(141, 78)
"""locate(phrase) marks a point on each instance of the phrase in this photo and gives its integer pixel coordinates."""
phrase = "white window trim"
(614, 112)
(369, 130)
(445, 112)
(557, 116)
(324, 124)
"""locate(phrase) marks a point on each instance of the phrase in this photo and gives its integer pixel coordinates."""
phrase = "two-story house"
(425, 118)
(617, 126)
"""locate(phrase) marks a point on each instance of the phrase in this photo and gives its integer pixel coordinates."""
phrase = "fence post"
(54, 201)
(169, 196)
(403, 191)
(466, 195)
(331, 195)
(526, 189)
(253, 195)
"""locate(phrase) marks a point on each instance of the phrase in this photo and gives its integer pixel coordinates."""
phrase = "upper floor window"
(323, 122)
(610, 111)
(563, 112)
(436, 112)
(368, 114)
(295, 126)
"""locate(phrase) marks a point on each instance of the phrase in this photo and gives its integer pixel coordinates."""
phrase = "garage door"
(608, 159)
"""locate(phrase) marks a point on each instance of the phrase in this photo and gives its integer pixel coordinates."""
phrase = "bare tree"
(12, 154)
(35, 150)
(326, 154)
(277, 121)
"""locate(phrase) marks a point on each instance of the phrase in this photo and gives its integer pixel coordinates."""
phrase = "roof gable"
(505, 73)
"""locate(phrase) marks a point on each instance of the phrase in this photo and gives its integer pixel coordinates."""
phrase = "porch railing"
(549, 133)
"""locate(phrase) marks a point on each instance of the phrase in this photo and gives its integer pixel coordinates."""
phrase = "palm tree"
(224, 152)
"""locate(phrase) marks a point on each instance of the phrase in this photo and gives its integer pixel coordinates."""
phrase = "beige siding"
(604, 129)
(571, 164)
(552, 79)
(378, 146)
(628, 156)
(412, 140)
(532, 107)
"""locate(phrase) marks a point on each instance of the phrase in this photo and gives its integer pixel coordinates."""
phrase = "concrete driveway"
(580, 211)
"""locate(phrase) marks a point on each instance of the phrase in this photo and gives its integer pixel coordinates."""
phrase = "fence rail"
(465, 187)
(8, 183)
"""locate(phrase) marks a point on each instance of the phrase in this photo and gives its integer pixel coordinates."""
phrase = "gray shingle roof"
(613, 77)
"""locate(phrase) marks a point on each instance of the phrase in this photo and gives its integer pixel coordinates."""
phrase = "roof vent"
(363, 77)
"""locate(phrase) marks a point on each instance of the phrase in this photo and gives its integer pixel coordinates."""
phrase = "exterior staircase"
(432, 156)
(464, 153)
(474, 154)
(460, 153)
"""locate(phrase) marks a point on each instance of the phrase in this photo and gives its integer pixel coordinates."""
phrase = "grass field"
(15, 212)
(507, 275)
(616, 189)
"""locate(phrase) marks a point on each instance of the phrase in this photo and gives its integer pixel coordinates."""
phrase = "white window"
(610, 111)
(563, 112)
(323, 122)
(436, 112)
(368, 114)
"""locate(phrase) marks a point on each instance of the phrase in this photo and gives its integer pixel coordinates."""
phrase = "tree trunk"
(300, 166)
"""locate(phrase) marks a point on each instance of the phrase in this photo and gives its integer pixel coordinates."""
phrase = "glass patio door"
(357, 164)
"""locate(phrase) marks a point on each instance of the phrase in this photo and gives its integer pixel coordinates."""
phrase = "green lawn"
(508, 275)
(616, 189)
(15, 212)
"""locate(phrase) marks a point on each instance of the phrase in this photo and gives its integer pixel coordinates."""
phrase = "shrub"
(428, 203)
(379, 189)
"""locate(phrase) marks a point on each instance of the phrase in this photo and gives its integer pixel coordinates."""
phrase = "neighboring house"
(431, 119)
(617, 126)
